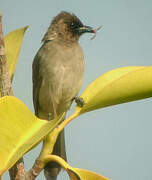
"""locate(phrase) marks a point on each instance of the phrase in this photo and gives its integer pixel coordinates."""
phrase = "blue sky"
(115, 141)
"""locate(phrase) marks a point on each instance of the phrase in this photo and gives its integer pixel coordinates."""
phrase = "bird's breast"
(63, 77)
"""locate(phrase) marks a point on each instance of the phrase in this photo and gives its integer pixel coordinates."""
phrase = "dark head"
(66, 27)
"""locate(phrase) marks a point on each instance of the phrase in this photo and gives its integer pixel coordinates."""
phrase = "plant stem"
(61, 126)
(6, 88)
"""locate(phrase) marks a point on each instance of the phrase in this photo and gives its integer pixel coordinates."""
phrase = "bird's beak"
(86, 29)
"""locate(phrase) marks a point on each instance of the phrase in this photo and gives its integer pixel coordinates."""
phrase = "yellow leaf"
(82, 174)
(13, 43)
(118, 86)
(20, 130)
(74, 173)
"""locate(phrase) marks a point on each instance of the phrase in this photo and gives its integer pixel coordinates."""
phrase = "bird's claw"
(79, 101)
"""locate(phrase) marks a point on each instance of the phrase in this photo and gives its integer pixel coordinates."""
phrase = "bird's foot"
(79, 101)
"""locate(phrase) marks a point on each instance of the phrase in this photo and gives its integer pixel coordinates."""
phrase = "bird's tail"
(52, 169)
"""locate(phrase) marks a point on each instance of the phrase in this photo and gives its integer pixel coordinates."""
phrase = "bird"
(57, 74)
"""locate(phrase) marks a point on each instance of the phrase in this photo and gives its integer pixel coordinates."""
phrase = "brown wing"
(37, 80)
(47, 80)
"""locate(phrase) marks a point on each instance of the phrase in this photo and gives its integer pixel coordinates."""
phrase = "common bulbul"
(58, 70)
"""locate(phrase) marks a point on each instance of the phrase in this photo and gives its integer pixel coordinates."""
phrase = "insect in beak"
(95, 32)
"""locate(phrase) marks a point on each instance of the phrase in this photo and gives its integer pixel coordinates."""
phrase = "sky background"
(115, 141)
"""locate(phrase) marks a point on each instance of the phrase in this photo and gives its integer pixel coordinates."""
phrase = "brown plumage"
(58, 70)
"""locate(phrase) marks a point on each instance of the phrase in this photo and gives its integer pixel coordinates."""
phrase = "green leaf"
(20, 130)
(13, 42)
(117, 86)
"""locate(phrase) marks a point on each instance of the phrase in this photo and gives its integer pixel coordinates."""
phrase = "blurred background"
(115, 141)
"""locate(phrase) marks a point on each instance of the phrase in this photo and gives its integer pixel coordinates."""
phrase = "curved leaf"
(82, 174)
(20, 130)
(13, 42)
(75, 173)
(118, 86)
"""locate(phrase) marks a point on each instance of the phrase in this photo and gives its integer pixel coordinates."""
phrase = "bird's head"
(66, 27)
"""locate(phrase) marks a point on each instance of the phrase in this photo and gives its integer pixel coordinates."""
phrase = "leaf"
(20, 130)
(13, 42)
(75, 173)
(82, 174)
(117, 86)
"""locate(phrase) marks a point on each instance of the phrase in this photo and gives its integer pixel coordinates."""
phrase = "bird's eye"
(73, 25)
